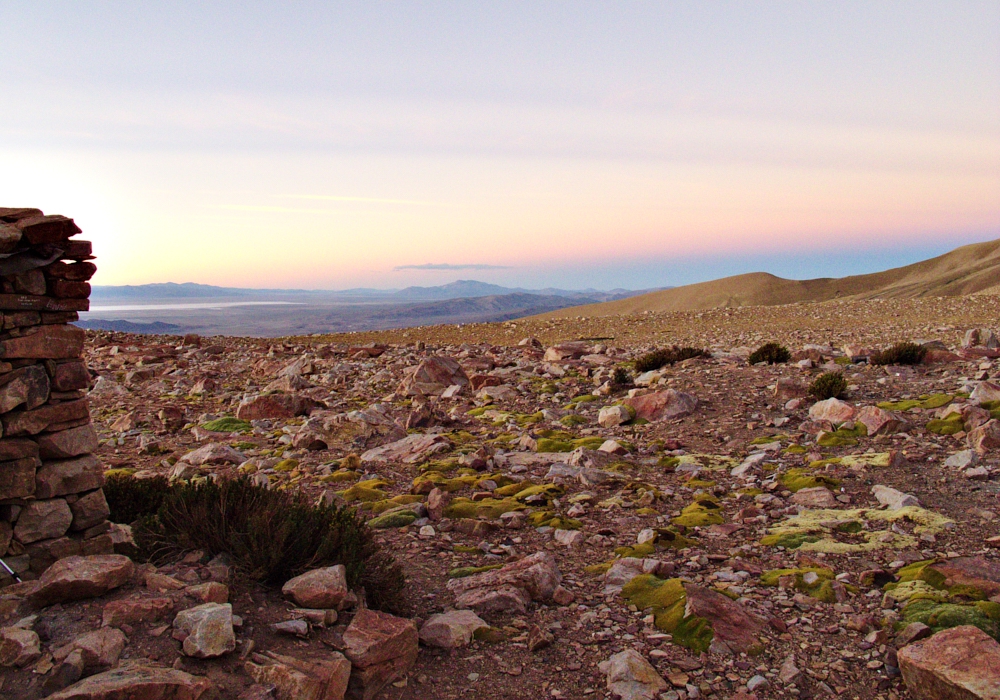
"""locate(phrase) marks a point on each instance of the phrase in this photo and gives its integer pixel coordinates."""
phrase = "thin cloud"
(368, 200)
(447, 266)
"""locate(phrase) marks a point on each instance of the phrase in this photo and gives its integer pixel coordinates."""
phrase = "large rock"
(732, 625)
(319, 589)
(209, 629)
(68, 443)
(985, 392)
(300, 679)
(814, 497)
(880, 422)
(409, 450)
(28, 386)
(274, 406)
(510, 588)
(381, 648)
(452, 629)
(961, 663)
(893, 499)
(432, 376)
(832, 410)
(140, 681)
(214, 453)
(986, 437)
(23, 422)
(625, 569)
(572, 350)
(69, 476)
(134, 611)
(88, 510)
(52, 342)
(75, 578)
(18, 647)
(98, 650)
(976, 572)
(43, 520)
(17, 477)
(663, 405)
(631, 677)
(612, 416)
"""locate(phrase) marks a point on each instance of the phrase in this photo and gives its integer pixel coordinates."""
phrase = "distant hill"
(156, 327)
(461, 289)
(971, 269)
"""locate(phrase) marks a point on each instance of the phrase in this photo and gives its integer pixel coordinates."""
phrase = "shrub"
(130, 499)
(667, 356)
(829, 385)
(899, 354)
(771, 353)
(621, 377)
(270, 536)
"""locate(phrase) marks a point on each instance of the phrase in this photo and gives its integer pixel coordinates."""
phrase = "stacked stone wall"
(51, 502)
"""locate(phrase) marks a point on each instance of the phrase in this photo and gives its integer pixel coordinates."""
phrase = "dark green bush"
(130, 499)
(667, 356)
(899, 354)
(771, 353)
(270, 536)
(829, 385)
(621, 377)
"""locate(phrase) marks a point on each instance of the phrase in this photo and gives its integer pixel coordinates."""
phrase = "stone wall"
(51, 502)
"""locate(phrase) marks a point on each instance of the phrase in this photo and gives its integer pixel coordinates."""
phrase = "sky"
(568, 144)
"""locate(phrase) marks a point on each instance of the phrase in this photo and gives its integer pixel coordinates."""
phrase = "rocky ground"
(706, 530)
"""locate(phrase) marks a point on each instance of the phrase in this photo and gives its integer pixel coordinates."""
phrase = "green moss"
(566, 445)
(286, 465)
(949, 426)
(599, 569)
(797, 479)
(795, 450)
(668, 463)
(400, 500)
(703, 512)
(821, 589)
(666, 599)
(940, 616)
(582, 398)
(463, 571)
(814, 530)
(489, 635)
(842, 437)
(548, 491)
(121, 471)
(364, 494)
(392, 520)
(927, 401)
(339, 476)
(228, 424)
(665, 539)
(768, 439)
(789, 540)
(573, 420)
(546, 518)
(489, 508)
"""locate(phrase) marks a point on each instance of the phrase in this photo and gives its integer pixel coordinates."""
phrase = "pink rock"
(18, 647)
(509, 588)
(565, 351)
(880, 422)
(214, 453)
(134, 611)
(961, 663)
(985, 437)
(832, 410)
(319, 589)
(381, 648)
(432, 376)
(451, 629)
(139, 681)
(99, 649)
(274, 406)
(730, 622)
(75, 578)
(815, 497)
(663, 405)
(302, 679)
(409, 450)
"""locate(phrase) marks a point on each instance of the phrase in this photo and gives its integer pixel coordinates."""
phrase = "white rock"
(893, 499)
(631, 677)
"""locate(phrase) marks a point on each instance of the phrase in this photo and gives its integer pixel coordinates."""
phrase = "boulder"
(878, 421)
(301, 679)
(274, 406)
(450, 630)
(509, 588)
(137, 680)
(612, 416)
(135, 611)
(43, 520)
(986, 437)
(732, 625)
(565, 351)
(67, 444)
(18, 647)
(28, 387)
(787, 389)
(663, 405)
(319, 589)
(814, 497)
(76, 578)
(409, 450)
(214, 453)
(98, 650)
(631, 677)
(432, 376)
(69, 476)
(961, 663)
(625, 569)
(985, 392)
(381, 648)
(833, 411)
(892, 498)
(209, 629)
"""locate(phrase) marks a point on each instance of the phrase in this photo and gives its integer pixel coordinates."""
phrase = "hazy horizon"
(527, 145)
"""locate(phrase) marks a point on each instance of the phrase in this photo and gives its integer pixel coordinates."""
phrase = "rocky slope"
(709, 531)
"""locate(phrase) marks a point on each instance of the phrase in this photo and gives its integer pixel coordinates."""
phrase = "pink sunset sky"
(335, 145)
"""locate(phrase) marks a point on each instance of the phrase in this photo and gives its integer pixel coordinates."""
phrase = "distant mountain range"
(461, 289)
(971, 269)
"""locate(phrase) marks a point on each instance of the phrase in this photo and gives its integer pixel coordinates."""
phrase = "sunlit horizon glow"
(535, 145)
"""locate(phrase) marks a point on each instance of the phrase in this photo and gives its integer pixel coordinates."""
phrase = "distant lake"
(182, 307)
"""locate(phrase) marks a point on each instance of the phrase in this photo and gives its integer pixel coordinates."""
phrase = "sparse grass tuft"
(667, 356)
(829, 385)
(899, 354)
(771, 353)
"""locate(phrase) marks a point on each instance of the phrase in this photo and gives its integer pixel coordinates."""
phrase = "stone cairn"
(51, 502)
